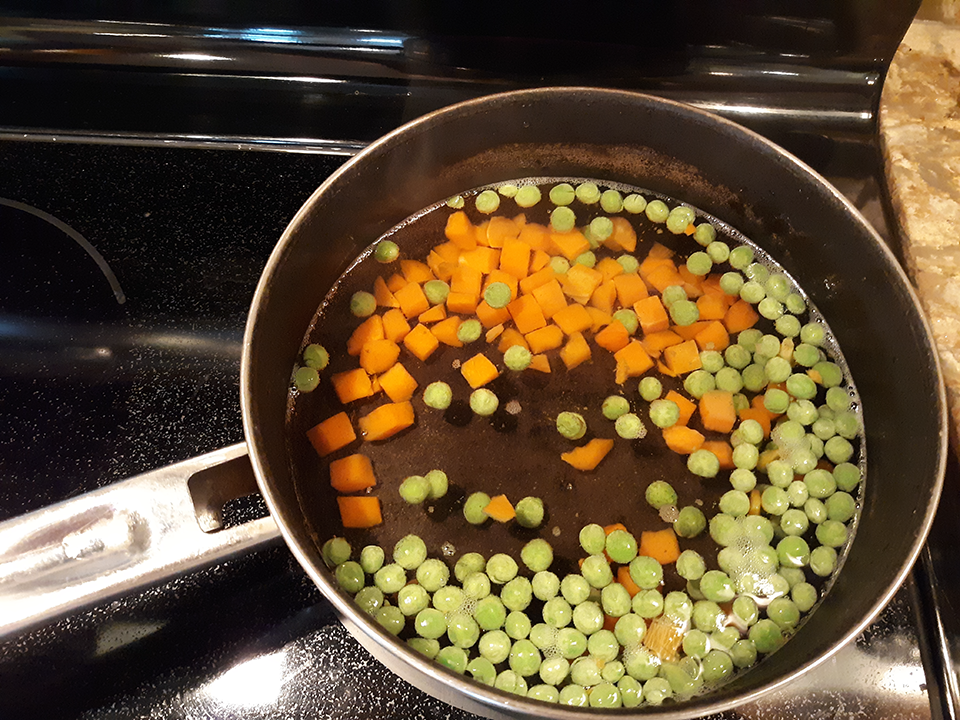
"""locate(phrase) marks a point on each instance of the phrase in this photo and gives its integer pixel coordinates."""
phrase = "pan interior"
(517, 451)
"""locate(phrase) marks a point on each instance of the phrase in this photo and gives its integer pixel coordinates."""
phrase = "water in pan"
(517, 451)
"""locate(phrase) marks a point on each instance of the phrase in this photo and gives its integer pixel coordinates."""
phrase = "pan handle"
(125, 537)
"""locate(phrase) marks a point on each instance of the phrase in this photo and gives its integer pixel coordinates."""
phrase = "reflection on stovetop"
(93, 390)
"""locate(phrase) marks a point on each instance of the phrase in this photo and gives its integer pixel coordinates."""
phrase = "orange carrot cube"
(478, 371)
(332, 434)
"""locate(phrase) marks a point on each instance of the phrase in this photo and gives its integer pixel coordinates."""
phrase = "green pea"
(371, 558)
(596, 571)
(501, 568)
(370, 598)
(390, 618)
(517, 594)
(627, 318)
(574, 696)
(560, 265)
(593, 539)
(386, 251)
(664, 413)
(411, 599)
(517, 625)
(468, 564)
(656, 690)
(588, 617)
(497, 295)
(823, 560)
(602, 645)
(430, 623)
(629, 263)
(363, 304)
(672, 294)
(473, 508)
(735, 502)
(743, 653)
(571, 642)
(571, 425)
(630, 629)
(621, 546)
(390, 578)
(646, 572)
(766, 636)
(448, 599)
(350, 576)
(487, 202)
(490, 612)
(527, 196)
(741, 257)
(476, 585)
(615, 600)
(563, 219)
(657, 211)
(517, 358)
(660, 493)
(614, 406)
(690, 522)
(804, 596)
(717, 586)
(699, 382)
(546, 585)
(587, 259)
(585, 671)
(530, 514)
(430, 648)
(648, 604)
(575, 589)
(630, 427)
(409, 552)
(437, 395)
(436, 291)
(494, 646)
(703, 463)
(306, 379)
(684, 312)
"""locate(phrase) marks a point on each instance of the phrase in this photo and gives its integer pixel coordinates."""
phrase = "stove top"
(130, 270)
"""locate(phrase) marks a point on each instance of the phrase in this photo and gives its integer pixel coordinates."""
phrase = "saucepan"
(91, 548)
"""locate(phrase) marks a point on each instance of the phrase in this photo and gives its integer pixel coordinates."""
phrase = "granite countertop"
(920, 132)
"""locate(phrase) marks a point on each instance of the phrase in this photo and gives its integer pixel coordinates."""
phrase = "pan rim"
(485, 698)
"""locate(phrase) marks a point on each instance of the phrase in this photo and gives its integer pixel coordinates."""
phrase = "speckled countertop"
(920, 130)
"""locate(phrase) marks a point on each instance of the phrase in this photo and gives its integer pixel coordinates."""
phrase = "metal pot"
(666, 147)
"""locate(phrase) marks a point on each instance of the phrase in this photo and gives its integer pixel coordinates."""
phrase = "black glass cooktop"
(128, 272)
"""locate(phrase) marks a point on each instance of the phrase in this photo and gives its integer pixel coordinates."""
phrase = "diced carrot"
(717, 411)
(723, 451)
(493, 333)
(536, 279)
(526, 314)
(575, 352)
(480, 234)
(448, 252)
(484, 259)
(609, 622)
(657, 342)
(359, 511)
(587, 457)
(386, 421)
(711, 307)
(632, 361)
(613, 337)
(394, 322)
(442, 269)
(623, 577)
(570, 244)
(755, 502)
(332, 434)
(623, 237)
(689, 332)
(600, 318)
(412, 300)
(460, 231)
(478, 371)
(605, 296)
(463, 303)
(540, 363)
(550, 297)
(500, 509)
(661, 545)
(740, 316)
(659, 250)
(663, 275)
(397, 383)
(351, 385)
(421, 342)
(546, 338)
(536, 236)
(369, 329)
(446, 331)
(713, 337)
(682, 358)
(415, 271)
(630, 289)
(663, 638)
(609, 268)
(500, 230)
(607, 529)
(692, 284)
(652, 314)
(682, 440)
(467, 280)
(489, 316)
(383, 295)
(352, 473)
(395, 282)
(539, 260)
(378, 356)
(434, 314)
(761, 415)
(579, 282)
(573, 318)
(515, 258)
(511, 337)
(687, 406)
